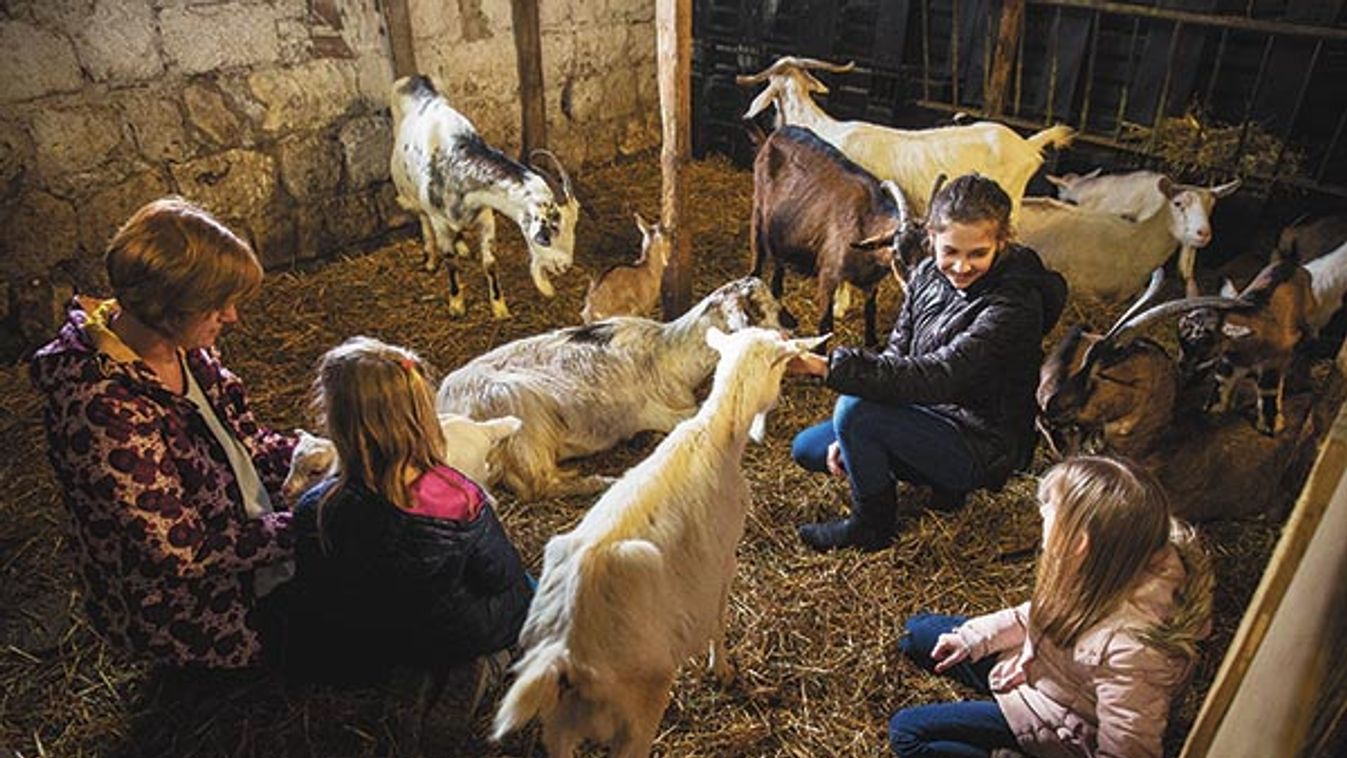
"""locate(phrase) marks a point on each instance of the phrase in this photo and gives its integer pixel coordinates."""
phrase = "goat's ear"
(500, 428)
(646, 229)
(802, 345)
(760, 103)
(1166, 186)
(1228, 289)
(716, 338)
(1223, 190)
(1063, 181)
(879, 240)
(811, 83)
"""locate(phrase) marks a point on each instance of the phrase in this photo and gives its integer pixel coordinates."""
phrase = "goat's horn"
(935, 190)
(561, 170)
(899, 199)
(792, 61)
(1147, 297)
(1186, 304)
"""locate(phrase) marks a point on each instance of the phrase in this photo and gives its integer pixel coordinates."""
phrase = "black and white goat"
(450, 178)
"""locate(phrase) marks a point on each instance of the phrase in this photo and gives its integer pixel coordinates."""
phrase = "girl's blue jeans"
(883, 444)
(967, 728)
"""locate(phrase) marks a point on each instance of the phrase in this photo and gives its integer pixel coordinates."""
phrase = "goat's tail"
(536, 690)
(1058, 136)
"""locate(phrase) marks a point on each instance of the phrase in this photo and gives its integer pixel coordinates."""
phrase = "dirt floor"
(813, 635)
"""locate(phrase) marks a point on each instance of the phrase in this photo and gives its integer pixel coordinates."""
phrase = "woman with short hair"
(172, 485)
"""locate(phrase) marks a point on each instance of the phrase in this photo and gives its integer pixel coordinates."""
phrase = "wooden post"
(399, 23)
(528, 49)
(1003, 58)
(673, 29)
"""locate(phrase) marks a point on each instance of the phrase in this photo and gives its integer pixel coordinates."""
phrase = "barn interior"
(273, 114)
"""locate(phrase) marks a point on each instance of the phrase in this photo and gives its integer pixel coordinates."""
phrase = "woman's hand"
(949, 649)
(808, 364)
(836, 465)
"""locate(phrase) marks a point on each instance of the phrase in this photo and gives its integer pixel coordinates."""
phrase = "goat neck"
(513, 199)
(687, 355)
(796, 107)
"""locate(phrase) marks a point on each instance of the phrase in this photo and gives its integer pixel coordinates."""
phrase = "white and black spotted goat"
(450, 178)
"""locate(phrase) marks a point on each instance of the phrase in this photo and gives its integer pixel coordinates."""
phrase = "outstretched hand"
(808, 364)
(949, 649)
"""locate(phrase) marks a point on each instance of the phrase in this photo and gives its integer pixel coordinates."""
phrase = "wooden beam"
(1003, 57)
(673, 32)
(399, 22)
(528, 47)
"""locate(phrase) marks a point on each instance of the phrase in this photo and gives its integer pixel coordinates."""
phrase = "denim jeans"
(967, 728)
(883, 444)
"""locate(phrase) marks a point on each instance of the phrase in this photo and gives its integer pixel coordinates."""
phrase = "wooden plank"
(1154, 66)
(399, 22)
(673, 37)
(1310, 507)
(1003, 57)
(528, 48)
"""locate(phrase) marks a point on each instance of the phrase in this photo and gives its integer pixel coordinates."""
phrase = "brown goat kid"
(630, 289)
(1259, 338)
(822, 215)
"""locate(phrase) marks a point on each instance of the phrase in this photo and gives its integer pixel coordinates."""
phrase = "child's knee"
(904, 737)
(920, 633)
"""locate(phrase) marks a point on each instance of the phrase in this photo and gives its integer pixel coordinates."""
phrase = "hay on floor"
(813, 636)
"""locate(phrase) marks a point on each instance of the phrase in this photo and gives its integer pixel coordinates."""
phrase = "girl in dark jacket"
(950, 402)
(400, 558)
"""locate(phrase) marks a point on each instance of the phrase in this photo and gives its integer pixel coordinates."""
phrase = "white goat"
(581, 390)
(1105, 255)
(911, 158)
(630, 289)
(1137, 195)
(450, 178)
(642, 583)
(1328, 281)
(470, 446)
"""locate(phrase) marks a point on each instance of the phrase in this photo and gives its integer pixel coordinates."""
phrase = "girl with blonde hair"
(400, 558)
(172, 484)
(1090, 665)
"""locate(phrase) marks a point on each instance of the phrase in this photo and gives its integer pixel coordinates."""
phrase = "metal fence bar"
(1089, 71)
(1164, 86)
(1127, 83)
(1215, 70)
(1218, 20)
(1295, 109)
(1248, 104)
(925, 49)
(1332, 146)
(1019, 61)
(954, 53)
(1052, 70)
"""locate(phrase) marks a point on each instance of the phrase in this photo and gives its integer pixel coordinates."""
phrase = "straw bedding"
(813, 636)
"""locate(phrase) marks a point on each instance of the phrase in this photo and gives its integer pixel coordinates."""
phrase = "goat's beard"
(757, 430)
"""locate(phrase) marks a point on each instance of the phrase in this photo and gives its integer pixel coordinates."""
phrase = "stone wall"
(270, 113)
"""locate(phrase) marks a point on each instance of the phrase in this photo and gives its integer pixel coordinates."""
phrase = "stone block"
(119, 42)
(200, 38)
(106, 210)
(209, 111)
(640, 44)
(16, 155)
(589, 11)
(366, 143)
(310, 166)
(636, 136)
(35, 62)
(296, 45)
(236, 183)
(374, 77)
(600, 49)
(273, 238)
(308, 96)
(435, 20)
(38, 230)
(74, 139)
(349, 220)
(156, 125)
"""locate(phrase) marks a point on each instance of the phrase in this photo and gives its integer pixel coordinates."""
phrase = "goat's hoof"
(430, 265)
(1269, 430)
(457, 307)
(500, 310)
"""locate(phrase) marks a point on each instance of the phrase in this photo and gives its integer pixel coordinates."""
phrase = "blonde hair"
(375, 404)
(172, 260)
(1111, 517)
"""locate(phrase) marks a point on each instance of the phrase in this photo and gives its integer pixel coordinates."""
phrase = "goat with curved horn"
(790, 61)
(560, 169)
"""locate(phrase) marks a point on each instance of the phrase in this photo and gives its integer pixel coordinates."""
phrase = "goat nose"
(1204, 234)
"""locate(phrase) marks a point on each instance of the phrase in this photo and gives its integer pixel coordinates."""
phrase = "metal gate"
(1203, 88)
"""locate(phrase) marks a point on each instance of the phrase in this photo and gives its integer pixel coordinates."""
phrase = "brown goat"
(1097, 392)
(630, 289)
(1308, 238)
(822, 215)
(1260, 338)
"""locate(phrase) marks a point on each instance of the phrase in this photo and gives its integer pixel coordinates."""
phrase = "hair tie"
(408, 364)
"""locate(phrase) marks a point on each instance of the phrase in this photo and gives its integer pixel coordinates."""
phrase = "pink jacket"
(164, 547)
(1109, 695)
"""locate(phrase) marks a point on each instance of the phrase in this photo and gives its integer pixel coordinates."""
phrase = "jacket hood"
(1181, 582)
(1020, 268)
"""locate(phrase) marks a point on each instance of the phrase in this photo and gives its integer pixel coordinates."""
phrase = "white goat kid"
(450, 178)
(630, 289)
(1328, 280)
(911, 158)
(1107, 256)
(1137, 195)
(470, 446)
(581, 390)
(642, 583)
